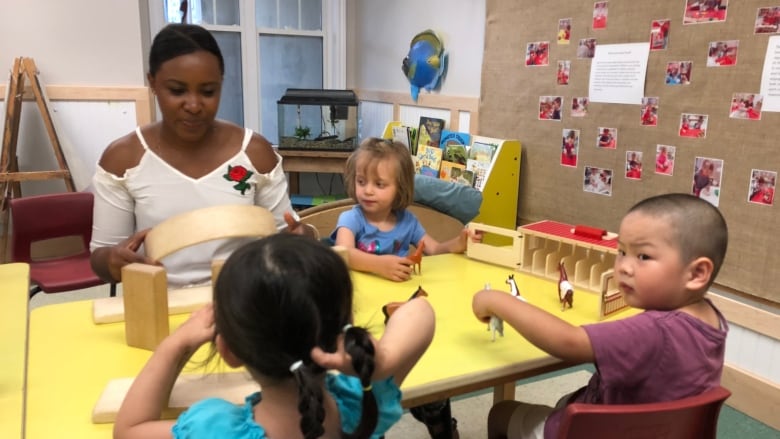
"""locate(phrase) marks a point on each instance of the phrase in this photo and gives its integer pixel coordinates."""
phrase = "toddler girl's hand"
(480, 305)
(339, 360)
(197, 330)
(395, 268)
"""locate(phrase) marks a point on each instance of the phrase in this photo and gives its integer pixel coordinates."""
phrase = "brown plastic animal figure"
(565, 289)
(390, 308)
(417, 258)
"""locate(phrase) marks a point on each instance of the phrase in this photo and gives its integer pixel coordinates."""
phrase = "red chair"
(44, 217)
(692, 417)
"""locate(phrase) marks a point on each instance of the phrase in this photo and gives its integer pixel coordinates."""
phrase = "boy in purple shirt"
(670, 248)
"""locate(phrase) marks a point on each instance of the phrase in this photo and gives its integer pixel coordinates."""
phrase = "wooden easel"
(10, 176)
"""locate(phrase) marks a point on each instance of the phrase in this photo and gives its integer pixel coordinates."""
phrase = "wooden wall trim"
(752, 395)
(141, 95)
(455, 104)
(748, 316)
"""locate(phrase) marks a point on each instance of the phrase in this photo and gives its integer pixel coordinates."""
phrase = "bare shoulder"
(261, 153)
(122, 154)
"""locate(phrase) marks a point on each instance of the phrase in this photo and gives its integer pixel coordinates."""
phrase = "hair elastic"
(295, 366)
(368, 388)
(346, 327)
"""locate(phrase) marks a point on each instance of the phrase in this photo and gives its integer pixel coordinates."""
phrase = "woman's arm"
(139, 415)
(408, 334)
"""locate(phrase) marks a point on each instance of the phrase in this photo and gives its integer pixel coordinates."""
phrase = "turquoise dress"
(216, 417)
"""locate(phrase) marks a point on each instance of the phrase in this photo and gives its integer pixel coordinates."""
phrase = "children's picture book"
(480, 170)
(464, 177)
(429, 160)
(482, 152)
(454, 138)
(403, 134)
(429, 132)
(450, 171)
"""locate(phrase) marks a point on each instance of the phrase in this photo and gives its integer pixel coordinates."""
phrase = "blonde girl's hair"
(373, 150)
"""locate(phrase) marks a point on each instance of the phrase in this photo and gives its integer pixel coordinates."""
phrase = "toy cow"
(565, 288)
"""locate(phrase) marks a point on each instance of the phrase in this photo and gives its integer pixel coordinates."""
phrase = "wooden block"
(145, 296)
(188, 389)
(207, 224)
(181, 301)
(506, 256)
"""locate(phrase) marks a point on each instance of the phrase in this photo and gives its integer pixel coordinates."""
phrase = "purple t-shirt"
(650, 357)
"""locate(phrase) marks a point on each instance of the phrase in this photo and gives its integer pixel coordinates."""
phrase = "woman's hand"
(298, 228)
(126, 252)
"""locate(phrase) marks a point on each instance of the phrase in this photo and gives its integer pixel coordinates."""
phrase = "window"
(268, 46)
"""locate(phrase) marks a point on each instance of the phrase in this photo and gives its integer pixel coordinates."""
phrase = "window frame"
(334, 46)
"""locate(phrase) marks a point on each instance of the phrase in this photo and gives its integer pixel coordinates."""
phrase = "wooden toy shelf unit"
(538, 248)
(499, 194)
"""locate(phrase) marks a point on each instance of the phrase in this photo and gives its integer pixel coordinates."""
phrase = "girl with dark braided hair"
(283, 309)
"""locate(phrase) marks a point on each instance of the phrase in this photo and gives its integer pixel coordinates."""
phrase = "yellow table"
(14, 293)
(71, 360)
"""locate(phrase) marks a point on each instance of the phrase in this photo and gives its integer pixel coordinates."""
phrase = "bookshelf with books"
(500, 176)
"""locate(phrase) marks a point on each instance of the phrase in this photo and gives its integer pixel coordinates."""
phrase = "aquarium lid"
(313, 96)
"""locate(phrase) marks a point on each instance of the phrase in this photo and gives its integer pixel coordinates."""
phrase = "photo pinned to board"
(767, 20)
(537, 54)
(746, 106)
(649, 112)
(564, 70)
(564, 31)
(600, 13)
(550, 107)
(579, 106)
(722, 53)
(705, 11)
(762, 187)
(693, 125)
(659, 34)
(570, 146)
(678, 72)
(664, 159)
(707, 179)
(607, 138)
(634, 165)
(586, 48)
(597, 181)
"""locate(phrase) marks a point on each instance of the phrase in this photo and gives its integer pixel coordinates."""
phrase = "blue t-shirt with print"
(407, 231)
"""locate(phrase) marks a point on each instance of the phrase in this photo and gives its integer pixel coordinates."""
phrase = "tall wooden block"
(145, 296)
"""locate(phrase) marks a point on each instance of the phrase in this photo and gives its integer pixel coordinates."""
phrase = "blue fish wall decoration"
(426, 62)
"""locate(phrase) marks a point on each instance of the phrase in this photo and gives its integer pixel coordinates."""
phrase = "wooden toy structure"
(145, 299)
(539, 249)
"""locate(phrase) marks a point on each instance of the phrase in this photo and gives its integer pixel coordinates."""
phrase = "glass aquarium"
(318, 119)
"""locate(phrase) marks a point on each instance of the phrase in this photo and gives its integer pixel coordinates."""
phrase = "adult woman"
(186, 161)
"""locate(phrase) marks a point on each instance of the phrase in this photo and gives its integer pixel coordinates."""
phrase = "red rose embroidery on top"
(239, 175)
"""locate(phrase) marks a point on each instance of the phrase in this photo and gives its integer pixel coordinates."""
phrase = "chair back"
(692, 417)
(43, 217)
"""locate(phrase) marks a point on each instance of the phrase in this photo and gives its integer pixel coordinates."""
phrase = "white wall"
(73, 42)
(380, 32)
(86, 42)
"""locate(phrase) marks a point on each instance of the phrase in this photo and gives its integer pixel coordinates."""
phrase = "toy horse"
(417, 258)
(510, 280)
(495, 324)
(390, 308)
(565, 289)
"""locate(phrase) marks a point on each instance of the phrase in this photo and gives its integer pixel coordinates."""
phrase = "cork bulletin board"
(737, 142)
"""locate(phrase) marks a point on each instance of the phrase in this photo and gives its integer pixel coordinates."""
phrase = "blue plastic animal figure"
(426, 62)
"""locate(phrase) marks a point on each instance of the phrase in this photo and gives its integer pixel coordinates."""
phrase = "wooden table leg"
(294, 182)
(504, 392)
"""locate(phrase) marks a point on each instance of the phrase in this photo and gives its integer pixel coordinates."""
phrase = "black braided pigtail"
(358, 344)
(309, 401)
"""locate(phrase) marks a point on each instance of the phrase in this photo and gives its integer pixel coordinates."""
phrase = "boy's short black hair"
(697, 226)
